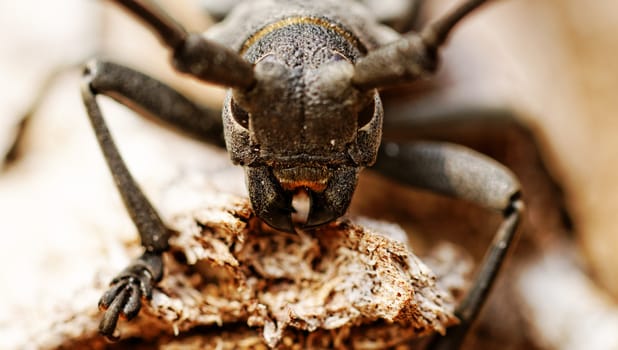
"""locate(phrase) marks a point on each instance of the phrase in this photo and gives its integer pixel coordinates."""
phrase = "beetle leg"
(413, 56)
(144, 94)
(191, 52)
(460, 172)
(456, 122)
(154, 99)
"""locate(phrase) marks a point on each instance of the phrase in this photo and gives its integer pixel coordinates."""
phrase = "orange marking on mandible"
(316, 186)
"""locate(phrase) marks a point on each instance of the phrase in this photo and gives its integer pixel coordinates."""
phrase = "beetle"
(302, 116)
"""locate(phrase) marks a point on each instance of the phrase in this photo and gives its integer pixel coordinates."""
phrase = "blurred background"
(553, 62)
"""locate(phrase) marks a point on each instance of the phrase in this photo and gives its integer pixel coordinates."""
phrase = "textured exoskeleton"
(303, 114)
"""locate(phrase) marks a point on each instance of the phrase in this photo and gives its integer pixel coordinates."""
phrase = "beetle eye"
(365, 115)
(240, 115)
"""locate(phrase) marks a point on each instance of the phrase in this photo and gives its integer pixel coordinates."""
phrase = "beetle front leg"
(460, 172)
(144, 94)
(151, 98)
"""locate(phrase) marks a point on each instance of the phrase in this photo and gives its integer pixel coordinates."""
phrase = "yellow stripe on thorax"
(351, 38)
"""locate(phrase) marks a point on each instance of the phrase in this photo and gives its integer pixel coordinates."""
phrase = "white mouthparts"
(301, 202)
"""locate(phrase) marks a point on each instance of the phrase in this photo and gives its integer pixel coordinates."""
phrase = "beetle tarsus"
(124, 297)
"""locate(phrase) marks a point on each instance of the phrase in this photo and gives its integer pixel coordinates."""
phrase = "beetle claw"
(124, 297)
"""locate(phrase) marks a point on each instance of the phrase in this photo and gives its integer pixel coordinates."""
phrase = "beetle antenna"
(435, 34)
(413, 56)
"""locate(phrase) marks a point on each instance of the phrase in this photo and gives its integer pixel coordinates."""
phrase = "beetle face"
(302, 130)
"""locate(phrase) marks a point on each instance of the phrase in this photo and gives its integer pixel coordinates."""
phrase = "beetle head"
(302, 129)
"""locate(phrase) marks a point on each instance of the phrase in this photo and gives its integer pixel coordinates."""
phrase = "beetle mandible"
(302, 115)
